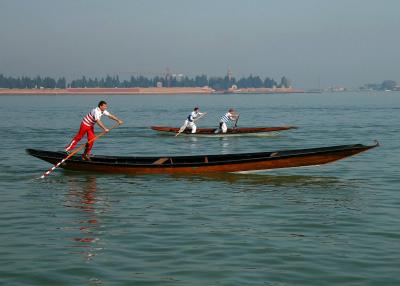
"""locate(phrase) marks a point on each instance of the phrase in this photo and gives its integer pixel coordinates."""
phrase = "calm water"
(337, 224)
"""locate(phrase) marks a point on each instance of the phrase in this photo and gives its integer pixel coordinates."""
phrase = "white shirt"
(94, 115)
(193, 115)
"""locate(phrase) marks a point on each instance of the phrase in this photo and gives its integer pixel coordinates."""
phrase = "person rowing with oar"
(87, 127)
(190, 120)
(232, 116)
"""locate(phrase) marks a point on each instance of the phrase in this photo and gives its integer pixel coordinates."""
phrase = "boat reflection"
(83, 196)
(266, 179)
(317, 191)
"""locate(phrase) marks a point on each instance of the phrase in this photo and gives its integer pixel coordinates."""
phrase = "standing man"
(231, 115)
(87, 127)
(191, 118)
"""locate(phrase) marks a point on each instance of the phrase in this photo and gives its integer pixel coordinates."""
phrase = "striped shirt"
(94, 115)
(226, 117)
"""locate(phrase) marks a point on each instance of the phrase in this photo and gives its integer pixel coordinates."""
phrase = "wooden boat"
(204, 163)
(230, 131)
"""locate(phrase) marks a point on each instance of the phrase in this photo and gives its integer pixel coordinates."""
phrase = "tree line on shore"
(385, 85)
(218, 83)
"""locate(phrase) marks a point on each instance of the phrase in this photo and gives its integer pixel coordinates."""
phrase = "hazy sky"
(339, 42)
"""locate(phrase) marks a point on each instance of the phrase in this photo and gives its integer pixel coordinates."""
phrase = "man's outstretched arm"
(113, 117)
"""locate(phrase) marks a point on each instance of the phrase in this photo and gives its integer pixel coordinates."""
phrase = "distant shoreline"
(77, 91)
(144, 90)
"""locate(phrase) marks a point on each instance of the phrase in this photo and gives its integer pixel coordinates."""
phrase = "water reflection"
(315, 191)
(224, 145)
(270, 180)
(194, 145)
(83, 196)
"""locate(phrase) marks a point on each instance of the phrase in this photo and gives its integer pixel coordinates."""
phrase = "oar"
(74, 152)
(237, 119)
(200, 116)
(183, 127)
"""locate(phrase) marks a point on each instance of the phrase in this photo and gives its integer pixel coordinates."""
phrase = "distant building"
(336, 89)
(387, 85)
(168, 77)
(229, 74)
(179, 77)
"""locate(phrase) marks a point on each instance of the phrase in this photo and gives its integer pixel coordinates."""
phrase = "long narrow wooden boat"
(230, 131)
(205, 163)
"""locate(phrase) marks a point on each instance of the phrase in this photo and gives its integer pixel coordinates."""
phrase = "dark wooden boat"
(230, 131)
(204, 163)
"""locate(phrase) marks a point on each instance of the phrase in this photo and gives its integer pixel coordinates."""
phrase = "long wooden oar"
(74, 152)
(237, 119)
(200, 116)
(183, 127)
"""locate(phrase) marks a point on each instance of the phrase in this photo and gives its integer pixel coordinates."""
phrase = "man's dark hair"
(101, 103)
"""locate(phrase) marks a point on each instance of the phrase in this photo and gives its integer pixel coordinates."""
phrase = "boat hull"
(204, 163)
(230, 131)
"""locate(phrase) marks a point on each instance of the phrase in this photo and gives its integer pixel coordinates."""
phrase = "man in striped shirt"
(231, 115)
(87, 127)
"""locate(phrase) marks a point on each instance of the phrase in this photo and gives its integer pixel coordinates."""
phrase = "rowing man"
(87, 127)
(191, 118)
(231, 115)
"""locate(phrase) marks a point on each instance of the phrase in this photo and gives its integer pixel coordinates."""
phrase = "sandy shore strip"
(143, 90)
(148, 90)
